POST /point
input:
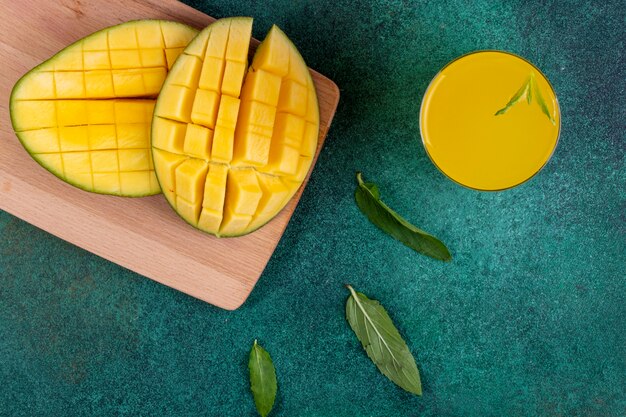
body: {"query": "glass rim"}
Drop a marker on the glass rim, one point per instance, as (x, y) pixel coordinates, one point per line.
(557, 108)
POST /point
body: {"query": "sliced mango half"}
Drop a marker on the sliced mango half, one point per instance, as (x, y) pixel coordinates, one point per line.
(232, 142)
(85, 114)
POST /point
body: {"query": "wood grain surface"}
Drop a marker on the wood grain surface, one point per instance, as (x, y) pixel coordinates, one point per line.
(142, 234)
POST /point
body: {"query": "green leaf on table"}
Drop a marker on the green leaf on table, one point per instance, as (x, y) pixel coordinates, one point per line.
(262, 379)
(382, 341)
(368, 200)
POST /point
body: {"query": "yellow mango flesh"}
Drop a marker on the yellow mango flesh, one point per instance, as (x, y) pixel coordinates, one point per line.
(85, 114)
(232, 143)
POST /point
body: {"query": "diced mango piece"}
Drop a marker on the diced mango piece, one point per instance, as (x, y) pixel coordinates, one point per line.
(312, 109)
(104, 161)
(303, 168)
(251, 148)
(73, 138)
(234, 223)
(168, 135)
(132, 136)
(33, 114)
(153, 79)
(125, 58)
(82, 180)
(275, 195)
(218, 39)
(102, 137)
(72, 112)
(42, 140)
(40, 85)
(69, 84)
(72, 60)
(228, 112)
(52, 161)
(212, 74)
(128, 83)
(100, 112)
(190, 178)
(288, 130)
(122, 37)
(243, 192)
(293, 98)
(224, 135)
(233, 78)
(108, 182)
(152, 58)
(134, 182)
(77, 162)
(186, 71)
(210, 221)
(261, 86)
(198, 141)
(150, 36)
(99, 84)
(205, 106)
(165, 167)
(275, 192)
(309, 140)
(134, 159)
(222, 147)
(189, 211)
(283, 160)
(197, 47)
(177, 103)
(256, 113)
(96, 60)
(239, 39)
(215, 188)
(272, 55)
(96, 42)
(298, 71)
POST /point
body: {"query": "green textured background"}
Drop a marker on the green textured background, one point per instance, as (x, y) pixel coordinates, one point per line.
(528, 320)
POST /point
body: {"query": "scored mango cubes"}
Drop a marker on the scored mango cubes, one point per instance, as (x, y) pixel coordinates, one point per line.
(232, 143)
(85, 113)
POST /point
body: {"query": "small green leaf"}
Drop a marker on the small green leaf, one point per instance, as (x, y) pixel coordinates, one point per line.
(262, 379)
(519, 94)
(540, 100)
(367, 198)
(382, 341)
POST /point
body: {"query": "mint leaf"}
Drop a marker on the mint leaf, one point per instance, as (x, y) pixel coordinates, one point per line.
(382, 341)
(262, 379)
(367, 198)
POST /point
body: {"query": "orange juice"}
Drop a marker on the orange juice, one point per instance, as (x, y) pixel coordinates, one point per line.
(490, 120)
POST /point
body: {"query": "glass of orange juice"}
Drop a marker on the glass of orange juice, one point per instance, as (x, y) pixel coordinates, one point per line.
(490, 120)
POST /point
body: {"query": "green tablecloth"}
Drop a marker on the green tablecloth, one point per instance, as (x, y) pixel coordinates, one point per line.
(528, 320)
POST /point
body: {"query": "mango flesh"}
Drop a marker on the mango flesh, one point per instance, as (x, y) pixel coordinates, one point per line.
(85, 114)
(232, 143)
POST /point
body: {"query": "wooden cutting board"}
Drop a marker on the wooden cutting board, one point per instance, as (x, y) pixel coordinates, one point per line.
(142, 234)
